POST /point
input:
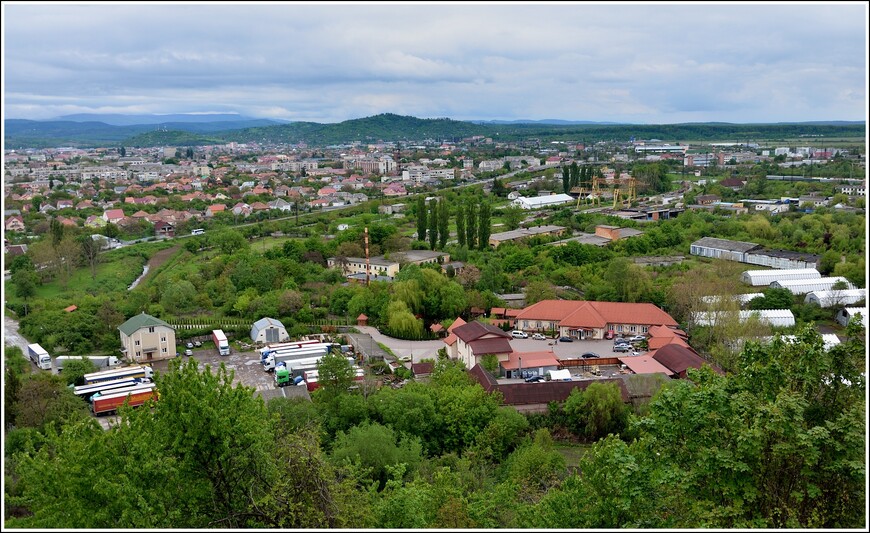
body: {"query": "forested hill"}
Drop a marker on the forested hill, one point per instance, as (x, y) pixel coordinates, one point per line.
(390, 127)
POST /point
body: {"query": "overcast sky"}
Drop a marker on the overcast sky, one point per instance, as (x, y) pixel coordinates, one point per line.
(638, 63)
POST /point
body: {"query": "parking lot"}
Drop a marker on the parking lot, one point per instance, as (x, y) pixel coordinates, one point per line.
(567, 350)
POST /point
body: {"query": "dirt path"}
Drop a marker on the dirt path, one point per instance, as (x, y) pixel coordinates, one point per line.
(158, 259)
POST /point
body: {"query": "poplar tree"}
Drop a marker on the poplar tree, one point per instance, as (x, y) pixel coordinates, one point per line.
(443, 223)
(421, 218)
(566, 179)
(460, 226)
(470, 224)
(433, 223)
(483, 228)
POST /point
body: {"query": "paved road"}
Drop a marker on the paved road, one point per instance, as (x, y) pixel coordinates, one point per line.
(11, 335)
(417, 350)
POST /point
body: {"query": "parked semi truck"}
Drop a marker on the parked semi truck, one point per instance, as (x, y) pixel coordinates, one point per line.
(220, 342)
(280, 345)
(320, 347)
(39, 356)
(103, 387)
(280, 356)
(109, 403)
(120, 373)
(100, 361)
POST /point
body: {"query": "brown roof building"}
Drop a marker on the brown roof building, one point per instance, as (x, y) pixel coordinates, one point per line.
(590, 320)
(475, 339)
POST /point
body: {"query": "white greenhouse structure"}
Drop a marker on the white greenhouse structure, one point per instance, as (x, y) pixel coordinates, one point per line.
(743, 299)
(804, 286)
(845, 315)
(778, 318)
(763, 278)
(836, 298)
(536, 202)
(829, 339)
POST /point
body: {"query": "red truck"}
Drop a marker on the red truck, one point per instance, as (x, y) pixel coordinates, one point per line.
(102, 404)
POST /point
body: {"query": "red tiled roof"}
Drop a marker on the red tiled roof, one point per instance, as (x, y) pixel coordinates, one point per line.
(654, 343)
(530, 359)
(456, 323)
(677, 358)
(422, 369)
(496, 311)
(435, 328)
(580, 313)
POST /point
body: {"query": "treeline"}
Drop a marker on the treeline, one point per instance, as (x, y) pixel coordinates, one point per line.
(777, 444)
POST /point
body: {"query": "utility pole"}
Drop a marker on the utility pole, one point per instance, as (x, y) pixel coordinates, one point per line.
(368, 269)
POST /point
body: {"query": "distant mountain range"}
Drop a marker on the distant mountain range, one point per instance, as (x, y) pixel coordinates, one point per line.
(192, 130)
(133, 120)
(546, 121)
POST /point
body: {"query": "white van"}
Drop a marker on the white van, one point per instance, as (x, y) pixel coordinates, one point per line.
(517, 334)
(198, 231)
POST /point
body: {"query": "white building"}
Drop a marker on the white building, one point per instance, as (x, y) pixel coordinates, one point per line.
(779, 318)
(742, 299)
(537, 202)
(804, 286)
(835, 298)
(763, 278)
(268, 330)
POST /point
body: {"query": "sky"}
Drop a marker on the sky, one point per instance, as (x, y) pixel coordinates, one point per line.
(640, 63)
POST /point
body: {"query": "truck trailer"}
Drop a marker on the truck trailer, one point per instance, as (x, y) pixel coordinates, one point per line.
(86, 391)
(292, 344)
(220, 342)
(100, 361)
(39, 356)
(109, 403)
(288, 356)
(320, 347)
(120, 373)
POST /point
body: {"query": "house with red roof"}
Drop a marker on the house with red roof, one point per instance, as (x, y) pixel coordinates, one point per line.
(113, 216)
(476, 340)
(450, 339)
(395, 189)
(211, 210)
(678, 359)
(523, 364)
(14, 223)
(581, 319)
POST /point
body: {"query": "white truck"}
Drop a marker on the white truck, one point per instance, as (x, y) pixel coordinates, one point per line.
(100, 361)
(129, 372)
(270, 359)
(220, 342)
(39, 356)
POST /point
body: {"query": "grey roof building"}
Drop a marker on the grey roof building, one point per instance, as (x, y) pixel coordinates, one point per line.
(268, 330)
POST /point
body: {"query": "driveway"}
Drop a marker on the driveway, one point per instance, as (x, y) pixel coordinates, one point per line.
(417, 350)
(11, 335)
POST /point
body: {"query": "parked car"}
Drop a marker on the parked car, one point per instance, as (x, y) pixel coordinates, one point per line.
(534, 379)
(517, 334)
(539, 337)
(565, 339)
(188, 352)
(623, 348)
(637, 338)
(609, 334)
(197, 343)
(590, 355)
(189, 345)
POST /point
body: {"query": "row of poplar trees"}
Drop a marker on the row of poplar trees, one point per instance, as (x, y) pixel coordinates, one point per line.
(576, 176)
(473, 223)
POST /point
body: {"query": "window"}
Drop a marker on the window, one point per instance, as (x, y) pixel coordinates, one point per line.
(138, 354)
(164, 350)
(151, 329)
(644, 329)
(136, 343)
(163, 338)
(619, 327)
(632, 329)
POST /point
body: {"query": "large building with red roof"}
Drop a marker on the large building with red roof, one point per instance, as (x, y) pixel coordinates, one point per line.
(581, 319)
(475, 340)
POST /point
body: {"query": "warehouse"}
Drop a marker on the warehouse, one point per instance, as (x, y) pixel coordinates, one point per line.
(805, 286)
(778, 318)
(836, 298)
(536, 202)
(763, 278)
(722, 248)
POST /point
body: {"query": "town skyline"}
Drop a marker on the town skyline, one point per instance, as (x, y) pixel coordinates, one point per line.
(625, 63)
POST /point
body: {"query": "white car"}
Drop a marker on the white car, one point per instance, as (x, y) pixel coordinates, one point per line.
(517, 334)
(539, 337)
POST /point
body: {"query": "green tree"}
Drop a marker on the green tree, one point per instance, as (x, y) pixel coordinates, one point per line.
(566, 179)
(470, 224)
(334, 374)
(443, 223)
(74, 370)
(461, 237)
(575, 174)
(421, 218)
(484, 226)
(179, 297)
(513, 216)
(376, 447)
(91, 252)
(433, 223)
(596, 411)
(25, 283)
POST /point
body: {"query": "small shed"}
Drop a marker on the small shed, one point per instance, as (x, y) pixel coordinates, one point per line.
(845, 315)
(268, 330)
(362, 320)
